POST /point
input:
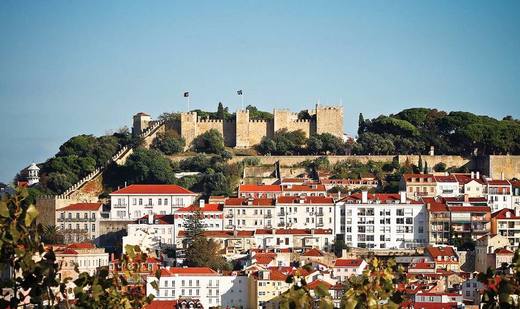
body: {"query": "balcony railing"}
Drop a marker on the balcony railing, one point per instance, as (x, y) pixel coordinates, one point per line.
(267, 216)
(229, 215)
(281, 214)
(319, 214)
(281, 224)
(119, 205)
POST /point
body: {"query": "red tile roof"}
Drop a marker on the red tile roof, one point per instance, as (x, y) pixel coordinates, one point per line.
(82, 245)
(305, 199)
(82, 207)
(161, 304)
(449, 178)
(154, 189)
(259, 188)
(197, 271)
(409, 177)
(239, 201)
(68, 251)
(314, 284)
(313, 252)
(498, 182)
(515, 183)
(348, 262)
(303, 231)
(469, 209)
(303, 188)
(504, 251)
(206, 208)
(422, 265)
(383, 197)
(436, 251)
(264, 258)
(503, 214)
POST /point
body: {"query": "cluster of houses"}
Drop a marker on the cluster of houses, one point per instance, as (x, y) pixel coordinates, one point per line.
(441, 227)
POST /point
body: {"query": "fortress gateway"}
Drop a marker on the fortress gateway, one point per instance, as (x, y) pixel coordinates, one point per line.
(243, 132)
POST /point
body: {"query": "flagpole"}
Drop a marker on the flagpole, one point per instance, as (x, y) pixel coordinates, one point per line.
(188, 102)
(242, 100)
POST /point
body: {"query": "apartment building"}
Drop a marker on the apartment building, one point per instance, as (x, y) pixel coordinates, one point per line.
(151, 232)
(210, 288)
(446, 186)
(212, 215)
(448, 218)
(498, 193)
(305, 212)
(231, 242)
(471, 184)
(286, 238)
(79, 222)
(344, 268)
(382, 221)
(311, 189)
(419, 185)
(136, 201)
(350, 184)
(259, 191)
(506, 222)
(491, 251)
(249, 213)
(445, 258)
(515, 199)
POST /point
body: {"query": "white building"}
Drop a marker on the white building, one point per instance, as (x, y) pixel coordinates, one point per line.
(135, 201)
(499, 194)
(212, 216)
(382, 221)
(249, 213)
(344, 268)
(212, 289)
(33, 174)
(305, 212)
(447, 186)
(286, 238)
(79, 221)
(471, 184)
(151, 232)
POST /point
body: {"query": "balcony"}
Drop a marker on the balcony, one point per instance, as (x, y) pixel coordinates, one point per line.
(229, 226)
(281, 214)
(61, 219)
(319, 214)
(319, 224)
(92, 219)
(120, 205)
(267, 216)
(281, 224)
(229, 215)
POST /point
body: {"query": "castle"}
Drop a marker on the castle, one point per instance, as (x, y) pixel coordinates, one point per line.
(243, 132)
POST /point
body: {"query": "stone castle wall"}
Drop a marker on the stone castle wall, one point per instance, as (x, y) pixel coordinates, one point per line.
(506, 167)
(244, 132)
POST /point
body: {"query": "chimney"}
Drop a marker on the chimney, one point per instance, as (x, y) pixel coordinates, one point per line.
(150, 218)
(364, 197)
(466, 198)
(478, 175)
(339, 195)
(201, 203)
(501, 175)
(472, 175)
(402, 197)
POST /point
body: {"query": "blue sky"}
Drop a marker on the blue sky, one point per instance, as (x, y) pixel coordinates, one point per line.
(73, 67)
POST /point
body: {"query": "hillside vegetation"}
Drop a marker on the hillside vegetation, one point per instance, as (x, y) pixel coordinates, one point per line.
(413, 131)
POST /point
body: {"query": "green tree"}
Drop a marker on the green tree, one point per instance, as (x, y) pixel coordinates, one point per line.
(299, 295)
(361, 124)
(33, 274)
(439, 167)
(220, 111)
(148, 166)
(210, 141)
(168, 143)
(375, 288)
(283, 142)
(200, 251)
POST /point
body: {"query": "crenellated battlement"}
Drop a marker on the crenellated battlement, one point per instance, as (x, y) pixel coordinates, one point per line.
(244, 132)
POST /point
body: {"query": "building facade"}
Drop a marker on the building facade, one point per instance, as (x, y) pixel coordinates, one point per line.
(136, 201)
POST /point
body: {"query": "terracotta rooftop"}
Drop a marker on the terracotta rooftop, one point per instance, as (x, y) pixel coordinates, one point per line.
(313, 252)
(206, 208)
(436, 251)
(82, 207)
(180, 271)
(153, 189)
(239, 201)
(304, 200)
(303, 188)
(505, 214)
(348, 262)
(260, 188)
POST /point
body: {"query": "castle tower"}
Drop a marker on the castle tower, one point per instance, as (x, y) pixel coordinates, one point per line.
(242, 128)
(329, 119)
(33, 176)
(281, 119)
(141, 123)
(189, 127)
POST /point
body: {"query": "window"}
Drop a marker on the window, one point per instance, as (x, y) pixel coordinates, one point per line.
(93, 227)
(140, 201)
(149, 202)
(134, 201)
(94, 215)
(159, 201)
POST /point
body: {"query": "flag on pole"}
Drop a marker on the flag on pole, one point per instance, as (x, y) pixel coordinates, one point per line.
(239, 92)
(186, 94)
